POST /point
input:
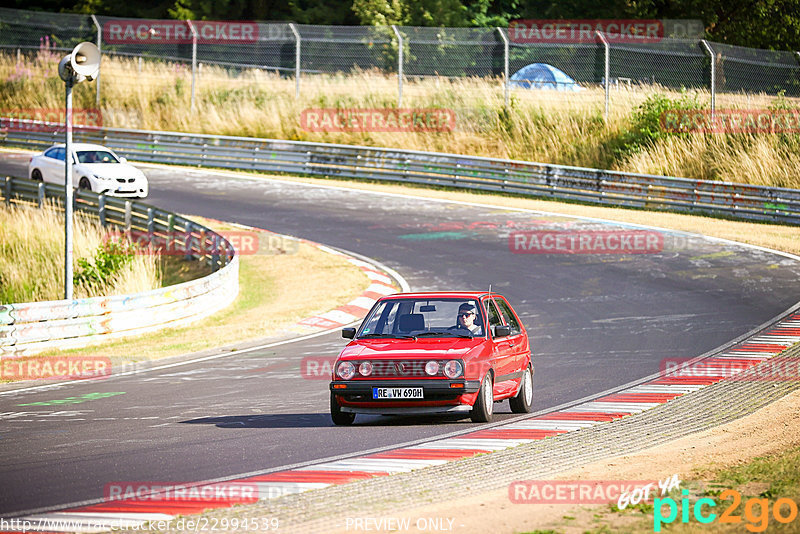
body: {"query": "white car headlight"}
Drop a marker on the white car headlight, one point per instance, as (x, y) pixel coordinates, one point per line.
(453, 369)
(346, 370)
(432, 368)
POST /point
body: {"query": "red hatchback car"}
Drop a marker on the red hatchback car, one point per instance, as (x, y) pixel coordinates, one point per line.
(434, 353)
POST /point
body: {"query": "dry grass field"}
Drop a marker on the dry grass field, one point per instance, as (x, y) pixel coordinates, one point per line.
(543, 126)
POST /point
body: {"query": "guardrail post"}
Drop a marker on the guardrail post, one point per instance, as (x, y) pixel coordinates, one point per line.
(399, 66)
(188, 242)
(40, 194)
(100, 49)
(710, 52)
(127, 215)
(296, 59)
(215, 254)
(505, 65)
(7, 190)
(606, 71)
(101, 209)
(194, 57)
(150, 220)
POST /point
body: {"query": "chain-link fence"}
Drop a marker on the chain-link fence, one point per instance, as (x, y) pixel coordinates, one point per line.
(605, 70)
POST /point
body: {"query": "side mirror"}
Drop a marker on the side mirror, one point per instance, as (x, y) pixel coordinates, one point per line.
(348, 333)
(123, 159)
(502, 330)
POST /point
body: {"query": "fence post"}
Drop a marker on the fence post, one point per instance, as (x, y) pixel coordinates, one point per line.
(710, 52)
(296, 59)
(40, 194)
(606, 71)
(100, 49)
(399, 66)
(194, 57)
(7, 190)
(504, 37)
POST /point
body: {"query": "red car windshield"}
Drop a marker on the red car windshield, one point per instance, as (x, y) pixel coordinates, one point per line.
(399, 318)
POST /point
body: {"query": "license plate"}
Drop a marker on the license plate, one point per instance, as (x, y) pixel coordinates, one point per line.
(397, 393)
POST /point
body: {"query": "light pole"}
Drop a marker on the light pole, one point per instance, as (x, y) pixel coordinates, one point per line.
(82, 64)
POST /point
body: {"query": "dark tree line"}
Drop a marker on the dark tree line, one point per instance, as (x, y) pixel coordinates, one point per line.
(771, 24)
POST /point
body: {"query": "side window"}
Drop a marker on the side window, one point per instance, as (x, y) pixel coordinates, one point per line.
(494, 316)
(51, 153)
(59, 154)
(511, 319)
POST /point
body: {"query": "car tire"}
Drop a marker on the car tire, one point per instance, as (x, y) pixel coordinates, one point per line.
(484, 404)
(338, 416)
(85, 184)
(36, 175)
(523, 401)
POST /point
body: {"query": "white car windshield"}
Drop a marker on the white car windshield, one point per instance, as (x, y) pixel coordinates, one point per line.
(424, 318)
(96, 156)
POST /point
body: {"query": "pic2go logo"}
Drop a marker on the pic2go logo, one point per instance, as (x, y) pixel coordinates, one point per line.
(756, 511)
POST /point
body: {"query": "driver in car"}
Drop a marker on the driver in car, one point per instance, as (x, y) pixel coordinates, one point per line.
(467, 314)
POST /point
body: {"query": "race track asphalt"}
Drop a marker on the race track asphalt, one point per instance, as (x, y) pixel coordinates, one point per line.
(596, 321)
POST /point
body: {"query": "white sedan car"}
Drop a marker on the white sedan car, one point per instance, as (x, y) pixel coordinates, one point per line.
(94, 167)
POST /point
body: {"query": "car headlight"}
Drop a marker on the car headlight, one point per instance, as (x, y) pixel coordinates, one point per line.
(365, 369)
(432, 368)
(345, 370)
(453, 369)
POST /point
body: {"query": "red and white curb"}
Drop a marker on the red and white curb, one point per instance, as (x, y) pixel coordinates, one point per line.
(380, 286)
(636, 399)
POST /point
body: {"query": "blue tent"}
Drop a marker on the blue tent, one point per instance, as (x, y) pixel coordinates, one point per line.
(543, 76)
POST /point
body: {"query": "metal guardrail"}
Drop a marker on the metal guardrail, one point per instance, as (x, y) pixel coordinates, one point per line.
(27, 328)
(430, 168)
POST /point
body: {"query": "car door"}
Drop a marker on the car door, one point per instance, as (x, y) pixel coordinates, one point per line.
(518, 337)
(53, 166)
(502, 353)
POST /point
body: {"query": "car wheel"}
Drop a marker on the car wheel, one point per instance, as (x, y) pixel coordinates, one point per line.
(36, 175)
(84, 183)
(339, 417)
(524, 399)
(482, 409)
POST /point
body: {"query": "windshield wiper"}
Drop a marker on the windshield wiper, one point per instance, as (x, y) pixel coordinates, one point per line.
(393, 336)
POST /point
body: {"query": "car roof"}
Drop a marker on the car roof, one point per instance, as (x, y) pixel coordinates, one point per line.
(82, 146)
(441, 294)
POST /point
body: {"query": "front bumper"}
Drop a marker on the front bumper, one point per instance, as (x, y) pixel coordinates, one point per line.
(434, 391)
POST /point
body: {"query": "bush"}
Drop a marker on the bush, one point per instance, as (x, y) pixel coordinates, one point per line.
(109, 259)
(645, 123)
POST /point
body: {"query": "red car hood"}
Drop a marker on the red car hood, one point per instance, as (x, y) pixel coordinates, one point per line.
(427, 349)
